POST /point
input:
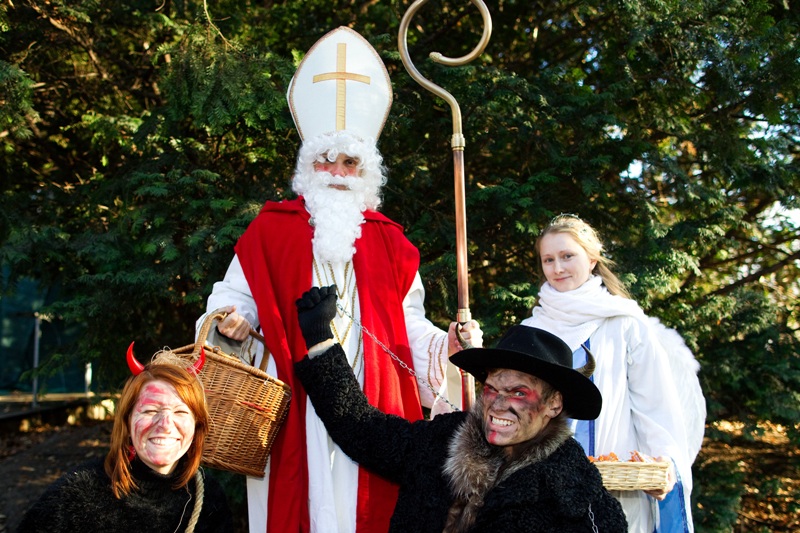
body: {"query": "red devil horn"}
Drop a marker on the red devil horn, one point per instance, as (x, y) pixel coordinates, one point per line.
(198, 365)
(135, 366)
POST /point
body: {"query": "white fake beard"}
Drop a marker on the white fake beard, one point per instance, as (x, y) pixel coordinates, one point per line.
(336, 214)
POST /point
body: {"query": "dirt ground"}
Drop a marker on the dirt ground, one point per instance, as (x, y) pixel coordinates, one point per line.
(31, 460)
(769, 468)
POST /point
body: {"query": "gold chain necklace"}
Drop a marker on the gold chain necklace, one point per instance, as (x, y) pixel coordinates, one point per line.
(343, 293)
(359, 350)
(332, 281)
(342, 312)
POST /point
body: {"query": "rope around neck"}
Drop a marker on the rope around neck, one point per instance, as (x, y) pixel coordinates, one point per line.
(198, 502)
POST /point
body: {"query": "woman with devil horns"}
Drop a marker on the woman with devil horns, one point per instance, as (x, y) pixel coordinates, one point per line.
(151, 479)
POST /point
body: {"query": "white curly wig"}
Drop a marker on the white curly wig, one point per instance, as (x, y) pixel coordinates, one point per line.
(329, 146)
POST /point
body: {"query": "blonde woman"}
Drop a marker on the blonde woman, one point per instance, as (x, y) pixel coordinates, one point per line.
(584, 303)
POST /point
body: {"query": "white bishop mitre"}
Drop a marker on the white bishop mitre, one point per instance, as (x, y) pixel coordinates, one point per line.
(341, 84)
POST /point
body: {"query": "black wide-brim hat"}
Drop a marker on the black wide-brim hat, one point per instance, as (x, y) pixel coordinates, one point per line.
(541, 354)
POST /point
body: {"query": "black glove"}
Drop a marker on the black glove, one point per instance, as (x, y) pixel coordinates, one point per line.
(315, 310)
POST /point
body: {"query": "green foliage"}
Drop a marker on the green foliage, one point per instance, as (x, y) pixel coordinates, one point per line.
(137, 142)
(722, 485)
(15, 93)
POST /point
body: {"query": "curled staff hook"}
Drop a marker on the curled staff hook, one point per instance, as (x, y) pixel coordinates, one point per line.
(457, 144)
(402, 42)
(457, 141)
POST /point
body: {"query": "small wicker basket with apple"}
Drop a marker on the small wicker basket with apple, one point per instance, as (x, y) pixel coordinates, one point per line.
(639, 473)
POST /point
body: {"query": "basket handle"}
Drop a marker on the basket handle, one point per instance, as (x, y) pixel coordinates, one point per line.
(265, 358)
(206, 328)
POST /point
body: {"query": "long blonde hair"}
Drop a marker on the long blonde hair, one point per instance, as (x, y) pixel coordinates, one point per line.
(587, 238)
(190, 390)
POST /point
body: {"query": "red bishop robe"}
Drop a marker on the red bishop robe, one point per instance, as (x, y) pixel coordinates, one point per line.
(276, 256)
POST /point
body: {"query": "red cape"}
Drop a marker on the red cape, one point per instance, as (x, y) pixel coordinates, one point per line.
(276, 255)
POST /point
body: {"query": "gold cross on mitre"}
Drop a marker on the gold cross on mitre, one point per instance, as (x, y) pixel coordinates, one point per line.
(360, 108)
(342, 77)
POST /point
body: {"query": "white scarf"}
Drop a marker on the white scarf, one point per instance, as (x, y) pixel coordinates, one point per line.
(574, 315)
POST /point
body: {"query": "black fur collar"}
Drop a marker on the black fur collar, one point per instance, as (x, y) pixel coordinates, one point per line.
(474, 466)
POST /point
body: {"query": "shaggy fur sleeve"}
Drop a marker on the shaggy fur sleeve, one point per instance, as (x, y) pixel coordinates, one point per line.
(377, 441)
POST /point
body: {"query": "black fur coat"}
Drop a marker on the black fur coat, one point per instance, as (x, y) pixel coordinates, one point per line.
(445, 466)
(82, 501)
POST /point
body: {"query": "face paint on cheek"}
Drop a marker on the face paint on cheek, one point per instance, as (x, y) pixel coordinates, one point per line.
(529, 396)
(491, 435)
(526, 408)
(522, 401)
(143, 425)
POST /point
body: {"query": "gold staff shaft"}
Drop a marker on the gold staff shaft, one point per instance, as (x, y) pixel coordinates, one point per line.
(463, 314)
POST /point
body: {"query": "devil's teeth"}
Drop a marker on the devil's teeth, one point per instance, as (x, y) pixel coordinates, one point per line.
(501, 422)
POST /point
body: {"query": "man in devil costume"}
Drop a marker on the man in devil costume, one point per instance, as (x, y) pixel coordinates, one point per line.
(510, 464)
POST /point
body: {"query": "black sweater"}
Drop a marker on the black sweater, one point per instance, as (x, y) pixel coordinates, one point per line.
(82, 501)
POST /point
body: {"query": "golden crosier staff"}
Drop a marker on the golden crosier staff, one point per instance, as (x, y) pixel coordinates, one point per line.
(457, 144)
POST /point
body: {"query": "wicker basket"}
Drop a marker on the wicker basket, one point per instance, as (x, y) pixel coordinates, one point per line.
(247, 407)
(631, 475)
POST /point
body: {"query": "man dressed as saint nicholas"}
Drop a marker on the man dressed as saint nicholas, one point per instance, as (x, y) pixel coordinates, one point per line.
(332, 233)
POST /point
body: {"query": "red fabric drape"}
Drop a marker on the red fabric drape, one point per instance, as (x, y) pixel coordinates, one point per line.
(276, 256)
